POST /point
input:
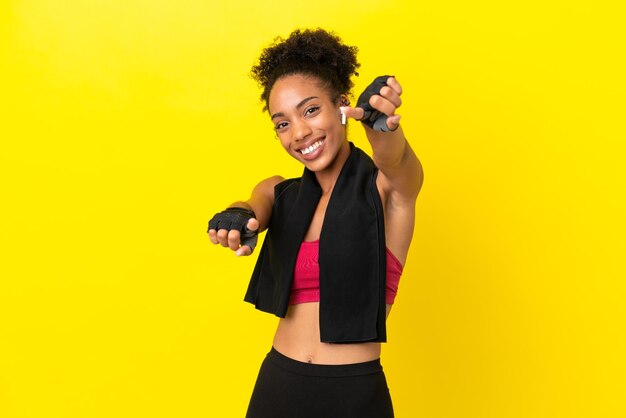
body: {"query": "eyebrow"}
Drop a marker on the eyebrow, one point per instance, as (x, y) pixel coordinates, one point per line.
(298, 106)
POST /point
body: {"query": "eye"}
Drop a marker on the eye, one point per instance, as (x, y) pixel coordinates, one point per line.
(311, 110)
(280, 126)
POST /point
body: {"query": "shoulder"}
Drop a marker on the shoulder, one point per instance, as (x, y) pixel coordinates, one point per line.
(272, 181)
(266, 186)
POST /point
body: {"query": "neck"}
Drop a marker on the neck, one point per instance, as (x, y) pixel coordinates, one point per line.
(328, 177)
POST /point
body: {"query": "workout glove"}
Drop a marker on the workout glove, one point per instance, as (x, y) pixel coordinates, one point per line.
(236, 219)
(372, 117)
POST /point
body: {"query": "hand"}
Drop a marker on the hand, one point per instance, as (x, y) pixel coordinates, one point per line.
(235, 230)
(377, 105)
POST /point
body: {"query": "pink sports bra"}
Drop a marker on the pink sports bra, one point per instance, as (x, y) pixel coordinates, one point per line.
(306, 278)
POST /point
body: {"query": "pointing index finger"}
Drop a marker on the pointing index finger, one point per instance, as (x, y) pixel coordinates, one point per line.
(353, 112)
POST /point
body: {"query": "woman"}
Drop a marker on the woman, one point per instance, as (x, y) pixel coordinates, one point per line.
(337, 237)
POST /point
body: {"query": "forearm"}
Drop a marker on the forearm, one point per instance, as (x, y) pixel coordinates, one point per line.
(395, 158)
(261, 201)
(388, 148)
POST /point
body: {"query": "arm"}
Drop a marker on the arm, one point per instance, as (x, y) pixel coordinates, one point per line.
(402, 171)
(260, 202)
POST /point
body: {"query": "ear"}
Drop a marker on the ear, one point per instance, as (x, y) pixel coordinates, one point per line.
(344, 100)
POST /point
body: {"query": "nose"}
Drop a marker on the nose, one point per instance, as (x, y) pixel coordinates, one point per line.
(301, 130)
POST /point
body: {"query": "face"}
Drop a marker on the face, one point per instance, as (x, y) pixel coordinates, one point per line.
(307, 121)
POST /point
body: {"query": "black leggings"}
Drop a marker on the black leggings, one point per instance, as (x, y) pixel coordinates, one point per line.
(293, 389)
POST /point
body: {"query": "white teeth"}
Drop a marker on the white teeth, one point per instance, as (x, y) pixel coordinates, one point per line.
(312, 148)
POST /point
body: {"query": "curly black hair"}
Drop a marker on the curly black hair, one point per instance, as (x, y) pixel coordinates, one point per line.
(315, 53)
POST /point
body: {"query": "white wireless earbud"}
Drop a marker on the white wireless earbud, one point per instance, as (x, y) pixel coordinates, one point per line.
(343, 116)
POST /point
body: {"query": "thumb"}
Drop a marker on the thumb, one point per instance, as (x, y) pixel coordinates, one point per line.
(393, 122)
(253, 224)
(353, 112)
(250, 238)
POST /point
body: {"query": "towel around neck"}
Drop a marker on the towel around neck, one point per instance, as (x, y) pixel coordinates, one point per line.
(351, 252)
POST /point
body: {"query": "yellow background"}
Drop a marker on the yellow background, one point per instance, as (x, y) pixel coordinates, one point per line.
(126, 124)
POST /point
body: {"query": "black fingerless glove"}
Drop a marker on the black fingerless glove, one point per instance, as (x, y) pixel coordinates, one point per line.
(372, 117)
(237, 219)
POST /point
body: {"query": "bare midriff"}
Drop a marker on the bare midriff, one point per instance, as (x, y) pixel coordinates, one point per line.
(298, 337)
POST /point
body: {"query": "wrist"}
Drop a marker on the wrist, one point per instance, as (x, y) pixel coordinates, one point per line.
(242, 205)
(245, 208)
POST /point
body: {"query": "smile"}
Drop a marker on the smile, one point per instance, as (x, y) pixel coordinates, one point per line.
(311, 148)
